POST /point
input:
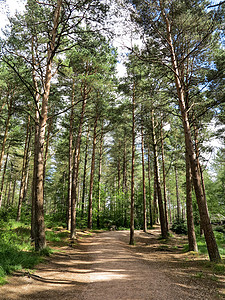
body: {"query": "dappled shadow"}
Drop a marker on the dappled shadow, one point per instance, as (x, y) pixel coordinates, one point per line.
(105, 267)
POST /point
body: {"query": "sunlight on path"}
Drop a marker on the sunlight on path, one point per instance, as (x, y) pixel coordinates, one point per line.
(105, 267)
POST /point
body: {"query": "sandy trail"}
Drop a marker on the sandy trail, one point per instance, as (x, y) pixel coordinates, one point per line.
(105, 267)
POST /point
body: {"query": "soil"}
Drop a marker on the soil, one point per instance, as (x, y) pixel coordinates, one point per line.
(103, 266)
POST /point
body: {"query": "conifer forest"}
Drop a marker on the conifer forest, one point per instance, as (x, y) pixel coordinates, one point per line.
(112, 117)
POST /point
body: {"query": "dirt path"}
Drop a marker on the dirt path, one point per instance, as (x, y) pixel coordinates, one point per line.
(105, 267)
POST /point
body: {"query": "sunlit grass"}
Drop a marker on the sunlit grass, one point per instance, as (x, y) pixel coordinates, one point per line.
(202, 248)
(16, 251)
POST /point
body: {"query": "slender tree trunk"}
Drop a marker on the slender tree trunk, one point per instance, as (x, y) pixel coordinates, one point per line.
(99, 176)
(9, 190)
(6, 191)
(6, 128)
(90, 207)
(85, 172)
(47, 147)
(149, 187)
(170, 209)
(190, 218)
(119, 167)
(24, 170)
(160, 200)
(13, 193)
(36, 133)
(196, 177)
(125, 187)
(164, 179)
(155, 196)
(70, 167)
(143, 181)
(3, 178)
(132, 170)
(177, 194)
(27, 178)
(76, 167)
(34, 183)
(200, 169)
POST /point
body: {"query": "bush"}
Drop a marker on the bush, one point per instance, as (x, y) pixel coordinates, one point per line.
(179, 227)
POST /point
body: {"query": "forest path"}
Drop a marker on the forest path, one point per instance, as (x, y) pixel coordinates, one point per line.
(105, 267)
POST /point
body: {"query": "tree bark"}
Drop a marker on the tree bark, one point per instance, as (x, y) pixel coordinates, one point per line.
(40, 241)
(100, 175)
(158, 184)
(143, 181)
(155, 197)
(196, 177)
(76, 160)
(47, 147)
(192, 244)
(132, 170)
(84, 173)
(90, 206)
(125, 187)
(13, 193)
(6, 126)
(24, 170)
(149, 187)
(177, 195)
(3, 178)
(164, 178)
(70, 165)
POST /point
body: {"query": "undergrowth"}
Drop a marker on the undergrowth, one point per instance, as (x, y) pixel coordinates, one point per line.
(16, 251)
(202, 248)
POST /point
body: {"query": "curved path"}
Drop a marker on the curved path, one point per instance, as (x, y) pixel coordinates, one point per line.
(105, 267)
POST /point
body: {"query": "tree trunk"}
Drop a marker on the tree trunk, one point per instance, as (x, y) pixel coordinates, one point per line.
(99, 176)
(70, 167)
(13, 193)
(40, 241)
(47, 147)
(164, 178)
(34, 183)
(177, 195)
(6, 128)
(160, 200)
(132, 170)
(85, 172)
(24, 170)
(36, 133)
(155, 196)
(190, 218)
(149, 187)
(125, 187)
(143, 181)
(3, 178)
(76, 167)
(90, 206)
(9, 191)
(196, 177)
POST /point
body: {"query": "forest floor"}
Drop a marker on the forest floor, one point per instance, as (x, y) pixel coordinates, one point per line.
(103, 266)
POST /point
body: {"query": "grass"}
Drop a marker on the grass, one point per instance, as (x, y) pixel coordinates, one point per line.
(202, 248)
(16, 250)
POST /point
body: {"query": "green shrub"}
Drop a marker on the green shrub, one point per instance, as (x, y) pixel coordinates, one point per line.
(179, 226)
